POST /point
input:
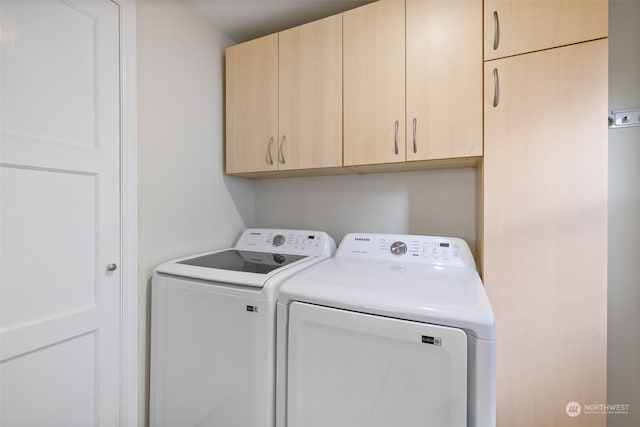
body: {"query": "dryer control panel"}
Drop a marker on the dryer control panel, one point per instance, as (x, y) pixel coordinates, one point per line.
(297, 242)
(445, 251)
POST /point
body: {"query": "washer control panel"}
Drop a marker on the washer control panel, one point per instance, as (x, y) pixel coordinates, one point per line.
(299, 242)
(449, 251)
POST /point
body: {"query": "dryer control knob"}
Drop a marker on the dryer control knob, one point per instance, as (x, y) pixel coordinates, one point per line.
(398, 248)
(278, 240)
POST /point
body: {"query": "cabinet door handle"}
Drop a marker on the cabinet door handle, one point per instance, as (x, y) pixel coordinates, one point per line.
(269, 158)
(284, 138)
(395, 137)
(496, 88)
(415, 126)
(496, 33)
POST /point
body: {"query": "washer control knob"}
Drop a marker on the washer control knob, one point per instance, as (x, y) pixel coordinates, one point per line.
(398, 248)
(278, 240)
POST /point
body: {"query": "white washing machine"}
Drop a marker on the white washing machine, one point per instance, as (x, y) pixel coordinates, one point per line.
(395, 330)
(213, 329)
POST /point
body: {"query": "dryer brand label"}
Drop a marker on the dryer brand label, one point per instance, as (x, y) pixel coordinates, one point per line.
(252, 308)
(431, 340)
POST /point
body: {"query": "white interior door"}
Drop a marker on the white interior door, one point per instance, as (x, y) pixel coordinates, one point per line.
(60, 210)
(359, 370)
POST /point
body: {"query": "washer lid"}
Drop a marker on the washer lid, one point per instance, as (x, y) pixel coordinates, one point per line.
(259, 255)
(245, 268)
(440, 295)
(245, 261)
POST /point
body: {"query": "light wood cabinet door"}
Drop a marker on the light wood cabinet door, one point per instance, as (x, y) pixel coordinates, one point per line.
(545, 231)
(310, 100)
(374, 83)
(512, 27)
(444, 79)
(252, 106)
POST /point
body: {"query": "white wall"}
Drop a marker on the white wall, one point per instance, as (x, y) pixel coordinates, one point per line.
(186, 205)
(439, 202)
(624, 216)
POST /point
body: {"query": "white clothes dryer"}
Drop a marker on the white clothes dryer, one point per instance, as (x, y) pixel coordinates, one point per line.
(213, 329)
(395, 330)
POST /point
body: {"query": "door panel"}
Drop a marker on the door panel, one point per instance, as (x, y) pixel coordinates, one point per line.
(64, 375)
(60, 213)
(354, 369)
(64, 68)
(57, 274)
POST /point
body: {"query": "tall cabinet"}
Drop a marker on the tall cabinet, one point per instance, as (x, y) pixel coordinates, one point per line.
(545, 227)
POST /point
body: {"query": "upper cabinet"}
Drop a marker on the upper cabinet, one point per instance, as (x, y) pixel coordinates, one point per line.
(310, 102)
(392, 85)
(374, 83)
(284, 100)
(520, 26)
(444, 79)
(252, 106)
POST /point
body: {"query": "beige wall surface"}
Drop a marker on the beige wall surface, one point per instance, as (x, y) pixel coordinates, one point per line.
(186, 204)
(624, 216)
(438, 202)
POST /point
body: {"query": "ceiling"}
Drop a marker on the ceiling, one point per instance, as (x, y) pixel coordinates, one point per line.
(244, 20)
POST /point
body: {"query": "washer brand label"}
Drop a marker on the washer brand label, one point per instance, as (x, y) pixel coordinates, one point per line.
(252, 308)
(431, 340)
(361, 239)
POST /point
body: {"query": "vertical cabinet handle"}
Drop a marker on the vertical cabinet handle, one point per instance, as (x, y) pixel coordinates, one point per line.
(284, 138)
(395, 137)
(496, 33)
(269, 158)
(415, 126)
(496, 88)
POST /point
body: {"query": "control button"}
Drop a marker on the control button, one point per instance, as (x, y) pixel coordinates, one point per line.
(398, 248)
(278, 240)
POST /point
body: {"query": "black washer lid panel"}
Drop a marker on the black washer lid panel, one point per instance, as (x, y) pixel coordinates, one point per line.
(245, 261)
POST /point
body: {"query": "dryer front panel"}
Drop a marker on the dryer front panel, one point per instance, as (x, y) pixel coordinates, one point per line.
(360, 370)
